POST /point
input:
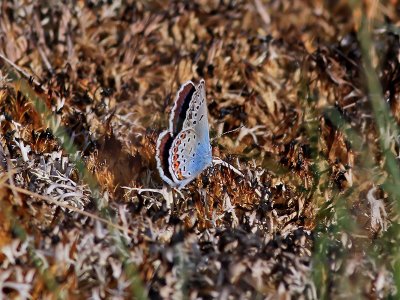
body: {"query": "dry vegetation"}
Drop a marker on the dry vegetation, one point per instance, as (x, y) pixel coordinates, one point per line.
(85, 89)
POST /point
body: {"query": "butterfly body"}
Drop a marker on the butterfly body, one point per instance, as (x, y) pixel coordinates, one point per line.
(184, 150)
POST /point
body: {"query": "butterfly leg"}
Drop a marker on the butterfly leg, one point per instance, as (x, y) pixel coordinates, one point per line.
(218, 161)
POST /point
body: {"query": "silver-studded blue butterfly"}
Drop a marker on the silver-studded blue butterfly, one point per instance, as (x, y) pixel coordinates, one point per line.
(184, 150)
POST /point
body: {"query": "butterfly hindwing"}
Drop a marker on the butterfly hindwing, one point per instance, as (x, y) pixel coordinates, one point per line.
(188, 157)
(164, 143)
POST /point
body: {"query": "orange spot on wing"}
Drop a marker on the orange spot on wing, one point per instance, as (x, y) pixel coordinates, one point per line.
(176, 169)
(179, 175)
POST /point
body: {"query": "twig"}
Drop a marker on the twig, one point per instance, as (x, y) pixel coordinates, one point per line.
(9, 176)
(19, 69)
(45, 59)
(74, 209)
(166, 192)
(262, 12)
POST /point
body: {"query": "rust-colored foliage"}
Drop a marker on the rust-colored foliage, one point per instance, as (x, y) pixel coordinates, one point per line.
(283, 78)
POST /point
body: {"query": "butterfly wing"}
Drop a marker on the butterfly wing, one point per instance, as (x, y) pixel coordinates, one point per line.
(190, 110)
(188, 157)
(181, 105)
(197, 115)
(184, 151)
(164, 143)
(197, 119)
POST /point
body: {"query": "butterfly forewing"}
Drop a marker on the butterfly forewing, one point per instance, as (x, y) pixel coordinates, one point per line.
(196, 116)
(203, 114)
(181, 106)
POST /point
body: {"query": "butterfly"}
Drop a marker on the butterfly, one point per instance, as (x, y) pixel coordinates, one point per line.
(184, 151)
